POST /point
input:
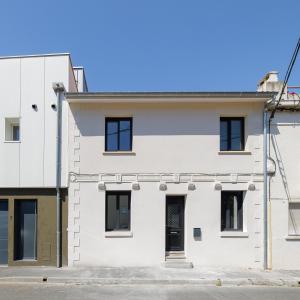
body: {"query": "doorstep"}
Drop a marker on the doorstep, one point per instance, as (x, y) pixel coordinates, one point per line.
(177, 259)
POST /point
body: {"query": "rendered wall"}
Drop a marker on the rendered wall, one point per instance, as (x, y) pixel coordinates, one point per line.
(284, 188)
(178, 139)
(25, 81)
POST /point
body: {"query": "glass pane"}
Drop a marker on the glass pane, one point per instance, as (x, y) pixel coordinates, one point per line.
(112, 136)
(236, 137)
(111, 213)
(26, 229)
(16, 133)
(232, 211)
(223, 136)
(125, 135)
(124, 211)
(294, 218)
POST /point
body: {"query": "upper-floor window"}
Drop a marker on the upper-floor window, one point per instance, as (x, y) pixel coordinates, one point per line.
(12, 129)
(118, 134)
(231, 211)
(232, 134)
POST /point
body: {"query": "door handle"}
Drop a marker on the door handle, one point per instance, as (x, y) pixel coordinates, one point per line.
(173, 231)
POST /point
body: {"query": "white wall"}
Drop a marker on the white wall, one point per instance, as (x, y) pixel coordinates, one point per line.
(25, 81)
(80, 79)
(184, 138)
(284, 188)
(174, 139)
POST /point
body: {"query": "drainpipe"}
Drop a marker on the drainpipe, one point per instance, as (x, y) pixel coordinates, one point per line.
(59, 90)
(265, 189)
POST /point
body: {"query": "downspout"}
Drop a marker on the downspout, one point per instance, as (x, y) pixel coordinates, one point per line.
(265, 188)
(59, 90)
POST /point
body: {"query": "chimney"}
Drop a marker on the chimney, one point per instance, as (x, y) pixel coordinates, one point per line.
(269, 83)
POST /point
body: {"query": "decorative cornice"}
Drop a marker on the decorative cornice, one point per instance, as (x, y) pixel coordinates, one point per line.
(167, 177)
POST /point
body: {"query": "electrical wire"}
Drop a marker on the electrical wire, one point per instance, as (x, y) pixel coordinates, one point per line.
(286, 78)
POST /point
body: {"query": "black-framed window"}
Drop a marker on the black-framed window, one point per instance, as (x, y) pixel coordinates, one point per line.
(118, 134)
(232, 210)
(232, 136)
(117, 210)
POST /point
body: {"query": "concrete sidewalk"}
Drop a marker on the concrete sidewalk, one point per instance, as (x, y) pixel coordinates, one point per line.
(145, 275)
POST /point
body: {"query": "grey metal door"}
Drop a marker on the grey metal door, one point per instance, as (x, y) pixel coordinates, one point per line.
(25, 229)
(3, 232)
(175, 223)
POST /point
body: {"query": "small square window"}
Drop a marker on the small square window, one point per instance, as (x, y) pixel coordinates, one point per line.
(232, 211)
(117, 211)
(118, 134)
(294, 218)
(12, 129)
(232, 134)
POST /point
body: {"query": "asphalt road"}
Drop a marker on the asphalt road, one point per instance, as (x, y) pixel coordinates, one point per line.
(117, 292)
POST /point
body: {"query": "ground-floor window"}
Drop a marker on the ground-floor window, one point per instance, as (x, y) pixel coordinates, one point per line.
(232, 211)
(117, 210)
(294, 218)
(25, 229)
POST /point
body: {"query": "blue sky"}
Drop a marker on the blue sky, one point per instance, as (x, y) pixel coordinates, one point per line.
(159, 45)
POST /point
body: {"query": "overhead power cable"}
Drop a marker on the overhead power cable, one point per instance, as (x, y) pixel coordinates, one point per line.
(286, 78)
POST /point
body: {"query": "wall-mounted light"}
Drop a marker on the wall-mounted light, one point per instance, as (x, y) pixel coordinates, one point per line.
(53, 106)
(34, 107)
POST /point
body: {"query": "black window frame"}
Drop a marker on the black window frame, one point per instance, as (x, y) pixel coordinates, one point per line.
(118, 120)
(242, 133)
(240, 217)
(118, 194)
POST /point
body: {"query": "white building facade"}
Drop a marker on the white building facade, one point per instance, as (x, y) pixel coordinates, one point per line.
(147, 179)
(283, 180)
(162, 177)
(28, 140)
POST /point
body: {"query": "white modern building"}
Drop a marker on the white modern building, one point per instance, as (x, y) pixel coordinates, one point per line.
(28, 143)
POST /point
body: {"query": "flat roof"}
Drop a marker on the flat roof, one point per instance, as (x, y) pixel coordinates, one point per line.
(34, 55)
(152, 97)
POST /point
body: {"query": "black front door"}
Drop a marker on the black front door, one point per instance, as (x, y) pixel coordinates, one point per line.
(175, 223)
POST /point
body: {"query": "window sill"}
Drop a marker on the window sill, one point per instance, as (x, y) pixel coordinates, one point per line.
(12, 142)
(293, 238)
(118, 234)
(234, 234)
(234, 152)
(119, 153)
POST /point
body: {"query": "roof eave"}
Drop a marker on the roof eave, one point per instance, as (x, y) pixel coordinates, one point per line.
(160, 97)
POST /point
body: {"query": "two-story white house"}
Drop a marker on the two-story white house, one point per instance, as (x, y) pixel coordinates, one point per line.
(283, 181)
(166, 178)
(28, 160)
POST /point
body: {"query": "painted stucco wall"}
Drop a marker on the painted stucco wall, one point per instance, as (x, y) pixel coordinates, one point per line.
(183, 141)
(25, 81)
(80, 79)
(284, 188)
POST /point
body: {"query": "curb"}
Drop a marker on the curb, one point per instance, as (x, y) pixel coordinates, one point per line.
(137, 281)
